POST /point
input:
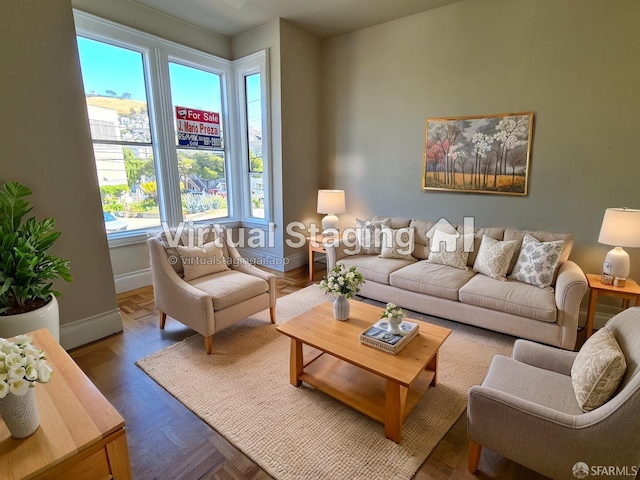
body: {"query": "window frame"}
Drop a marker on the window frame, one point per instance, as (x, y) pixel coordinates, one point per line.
(157, 53)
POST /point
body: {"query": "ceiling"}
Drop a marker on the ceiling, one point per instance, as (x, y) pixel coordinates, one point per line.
(320, 18)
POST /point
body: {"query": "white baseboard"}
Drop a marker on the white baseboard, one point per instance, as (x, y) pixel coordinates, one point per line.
(132, 280)
(274, 262)
(90, 329)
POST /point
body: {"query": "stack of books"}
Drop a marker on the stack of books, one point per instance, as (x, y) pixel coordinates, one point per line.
(378, 336)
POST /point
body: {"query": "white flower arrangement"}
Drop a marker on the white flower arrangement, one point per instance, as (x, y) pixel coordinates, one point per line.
(21, 366)
(342, 281)
(393, 311)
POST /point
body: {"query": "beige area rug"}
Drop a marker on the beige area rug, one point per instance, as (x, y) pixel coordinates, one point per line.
(243, 392)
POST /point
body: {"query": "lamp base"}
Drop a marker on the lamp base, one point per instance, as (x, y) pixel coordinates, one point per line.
(330, 223)
(617, 263)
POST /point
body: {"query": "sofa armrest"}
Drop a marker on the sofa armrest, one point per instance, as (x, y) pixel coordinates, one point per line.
(177, 298)
(341, 248)
(544, 356)
(571, 286)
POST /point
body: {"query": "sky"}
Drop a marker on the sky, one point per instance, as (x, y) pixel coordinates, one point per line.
(107, 67)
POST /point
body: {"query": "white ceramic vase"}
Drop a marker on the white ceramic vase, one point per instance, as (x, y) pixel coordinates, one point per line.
(44, 317)
(394, 325)
(341, 308)
(20, 414)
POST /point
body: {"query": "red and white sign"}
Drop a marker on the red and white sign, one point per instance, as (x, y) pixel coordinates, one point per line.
(198, 128)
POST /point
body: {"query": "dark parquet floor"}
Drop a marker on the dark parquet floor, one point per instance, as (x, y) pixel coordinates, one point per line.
(168, 442)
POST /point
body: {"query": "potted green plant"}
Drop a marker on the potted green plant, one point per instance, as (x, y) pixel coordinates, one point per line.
(27, 270)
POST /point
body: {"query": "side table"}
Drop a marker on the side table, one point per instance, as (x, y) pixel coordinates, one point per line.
(317, 244)
(630, 291)
(80, 437)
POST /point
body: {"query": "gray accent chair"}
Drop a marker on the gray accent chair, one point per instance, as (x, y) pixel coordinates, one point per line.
(526, 409)
(213, 302)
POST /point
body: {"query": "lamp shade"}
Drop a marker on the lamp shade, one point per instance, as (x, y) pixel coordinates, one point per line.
(331, 201)
(620, 227)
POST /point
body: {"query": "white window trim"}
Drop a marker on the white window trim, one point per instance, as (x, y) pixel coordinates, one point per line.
(157, 53)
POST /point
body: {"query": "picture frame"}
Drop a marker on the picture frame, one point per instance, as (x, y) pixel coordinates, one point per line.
(479, 154)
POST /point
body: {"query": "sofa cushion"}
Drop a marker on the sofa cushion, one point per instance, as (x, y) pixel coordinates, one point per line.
(597, 370)
(493, 257)
(512, 234)
(373, 268)
(395, 222)
(192, 237)
(200, 261)
(537, 262)
(431, 279)
(230, 287)
(448, 249)
(421, 247)
(369, 235)
(496, 233)
(515, 378)
(397, 243)
(511, 296)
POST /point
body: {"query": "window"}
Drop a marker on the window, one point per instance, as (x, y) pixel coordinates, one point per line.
(254, 146)
(174, 139)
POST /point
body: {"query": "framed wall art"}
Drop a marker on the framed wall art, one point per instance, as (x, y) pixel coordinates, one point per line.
(481, 154)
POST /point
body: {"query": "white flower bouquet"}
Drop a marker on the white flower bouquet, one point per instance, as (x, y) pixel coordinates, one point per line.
(393, 311)
(21, 366)
(342, 280)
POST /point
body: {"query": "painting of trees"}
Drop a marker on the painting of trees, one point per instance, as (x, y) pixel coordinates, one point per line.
(483, 154)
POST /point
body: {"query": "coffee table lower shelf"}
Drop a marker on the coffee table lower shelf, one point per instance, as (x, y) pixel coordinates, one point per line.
(384, 400)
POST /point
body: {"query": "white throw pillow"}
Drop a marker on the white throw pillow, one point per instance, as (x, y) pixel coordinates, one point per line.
(368, 236)
(448, 249)
(494, 257)
(597, 370)
(537, 262)
(201, 261)
(397, 243)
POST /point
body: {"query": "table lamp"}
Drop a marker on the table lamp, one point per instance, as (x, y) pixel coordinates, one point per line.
(620, 228)
(330, 202)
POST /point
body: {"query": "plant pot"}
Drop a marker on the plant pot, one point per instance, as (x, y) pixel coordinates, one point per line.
(44, 317)
(20, 414)
(341, 308)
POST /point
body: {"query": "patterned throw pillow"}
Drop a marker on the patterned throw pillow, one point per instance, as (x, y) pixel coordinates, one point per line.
(448, 249)
(494, 257)
(368, 236)
(397, 243)
(597, 370)
(537, 262)
(201, 261)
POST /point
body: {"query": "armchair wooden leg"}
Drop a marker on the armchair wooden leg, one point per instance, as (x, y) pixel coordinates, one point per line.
(475, 450)
(208, 344)
(272, 312)
(163, 320)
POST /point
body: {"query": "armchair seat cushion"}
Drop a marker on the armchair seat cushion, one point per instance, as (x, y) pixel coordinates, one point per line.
(431, 279)
(553, 390)
(230, 287)
(374, 268)
(511, 296)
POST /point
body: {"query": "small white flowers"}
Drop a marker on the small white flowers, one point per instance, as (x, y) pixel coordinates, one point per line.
(342, 281)
(21, 366)
(392, 311)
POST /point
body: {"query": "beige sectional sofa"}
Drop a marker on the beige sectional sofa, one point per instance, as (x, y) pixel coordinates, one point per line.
(513, 307)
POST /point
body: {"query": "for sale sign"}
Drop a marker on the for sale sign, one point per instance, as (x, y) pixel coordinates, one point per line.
(198, 128)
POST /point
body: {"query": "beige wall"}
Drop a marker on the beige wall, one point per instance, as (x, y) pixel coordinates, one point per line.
(45, 144)
(301, 55)
(574, 63)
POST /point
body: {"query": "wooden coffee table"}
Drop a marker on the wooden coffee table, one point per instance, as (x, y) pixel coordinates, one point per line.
(384, 387)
